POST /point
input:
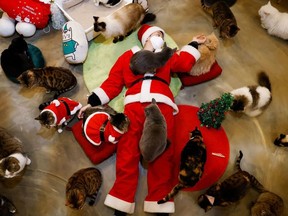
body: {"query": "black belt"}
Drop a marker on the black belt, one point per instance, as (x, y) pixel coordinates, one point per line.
(102, 130)
(149, 78)
(66, 106)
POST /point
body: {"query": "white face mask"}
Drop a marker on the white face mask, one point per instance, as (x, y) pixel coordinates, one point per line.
(157, 42)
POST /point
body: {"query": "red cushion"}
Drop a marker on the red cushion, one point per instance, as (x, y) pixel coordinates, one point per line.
(189, 80)
(96, 154)
(215, 140)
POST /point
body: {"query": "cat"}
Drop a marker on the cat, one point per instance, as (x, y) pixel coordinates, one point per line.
(252, 100)
(56, 79)
(85, 183)
(209, 3)
(15, 59)
(103, 123)
(13, 159)
(193, 159)
(122, 22)
(208, 55)
(274, 21)
(107, 3)
(145, 61)
(231, 190)
(7, 208)
(268, 204)
(223, 18)
(58, 113)
(153, 140)
(281, 141)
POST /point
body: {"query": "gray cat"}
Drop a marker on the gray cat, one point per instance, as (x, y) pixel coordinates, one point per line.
(153, 141)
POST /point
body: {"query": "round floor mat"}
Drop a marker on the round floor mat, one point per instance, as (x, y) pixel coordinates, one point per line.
(102, 54)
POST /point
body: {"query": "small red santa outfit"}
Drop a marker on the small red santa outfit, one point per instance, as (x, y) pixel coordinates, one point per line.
(62, 109)
(97, 129)
(140, 91)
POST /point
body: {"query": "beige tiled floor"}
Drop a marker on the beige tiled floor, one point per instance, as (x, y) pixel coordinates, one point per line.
(56, 156)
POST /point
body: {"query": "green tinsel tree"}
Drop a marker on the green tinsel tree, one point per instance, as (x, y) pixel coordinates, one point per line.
(212, 114)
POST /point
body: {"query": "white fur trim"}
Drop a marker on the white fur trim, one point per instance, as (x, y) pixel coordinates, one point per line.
(76, 109)
(102, 95)
(153, 206)
(192, 50)
(150, 31)
(135, 49)
(56, 102)
(119, 204)
(116, 129)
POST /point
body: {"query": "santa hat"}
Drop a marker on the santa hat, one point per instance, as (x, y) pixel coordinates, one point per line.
(145, 31)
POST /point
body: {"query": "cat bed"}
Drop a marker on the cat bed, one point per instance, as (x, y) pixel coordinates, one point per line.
(36, 56)
(189, 80)
(216, 141)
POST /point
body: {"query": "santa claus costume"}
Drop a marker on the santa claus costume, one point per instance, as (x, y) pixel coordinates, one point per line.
(140, 91)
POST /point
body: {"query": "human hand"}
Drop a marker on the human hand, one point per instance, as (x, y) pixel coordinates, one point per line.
(200, 39)
(82, 110)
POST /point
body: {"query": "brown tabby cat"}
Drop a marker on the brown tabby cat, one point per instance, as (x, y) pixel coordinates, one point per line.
(85, 183)
(231, 190)
(122, 22)
(12, 157)
(145, 61)
(56, 79)
(223, 18)
(193, 159)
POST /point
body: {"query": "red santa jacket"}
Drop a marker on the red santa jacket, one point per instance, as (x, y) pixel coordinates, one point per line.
(59, 108)
(139, 90)
(92, 128)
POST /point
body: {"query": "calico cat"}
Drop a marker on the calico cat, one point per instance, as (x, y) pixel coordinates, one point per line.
(281, 141)
(107, 3)
(7, 208)
(208, 55)
(274, 21)
(231, 190)
(122, 22)
(15, 59)
(12, 157)
(58, 113)
(268, 204)
(223, 18)
(103, 123)
(145, 61)
(153, 141)
(193, 159)
(252, 100)
(85, 183)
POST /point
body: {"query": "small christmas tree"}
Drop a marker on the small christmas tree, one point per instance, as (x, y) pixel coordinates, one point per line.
(213, 113)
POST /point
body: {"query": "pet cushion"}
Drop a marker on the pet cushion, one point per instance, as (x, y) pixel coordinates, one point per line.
(36, 56)
(75, 44)
(189, 80)
(70, 3)
(104, 53)
(96, 154)
(216, 141)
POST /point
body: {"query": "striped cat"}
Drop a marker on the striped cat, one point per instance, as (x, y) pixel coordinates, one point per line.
(85, 183)
(231, 190)
(193, 159)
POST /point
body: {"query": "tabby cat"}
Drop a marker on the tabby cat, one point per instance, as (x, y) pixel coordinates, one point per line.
(85, 183)
(7, 208)
(122, 22)
(153, 141)
(231, 190)
(193, 159)
(268, 204)
(209, 3)
(223, 18)
(56, 79)
(12, 157)
(145, 61)
(252, 100)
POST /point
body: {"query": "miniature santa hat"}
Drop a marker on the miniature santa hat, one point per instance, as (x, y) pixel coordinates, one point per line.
(146, 30)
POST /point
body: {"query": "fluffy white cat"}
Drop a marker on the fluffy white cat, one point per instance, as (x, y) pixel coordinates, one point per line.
(274, 21)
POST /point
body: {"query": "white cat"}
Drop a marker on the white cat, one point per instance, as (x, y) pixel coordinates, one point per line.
(274, 21)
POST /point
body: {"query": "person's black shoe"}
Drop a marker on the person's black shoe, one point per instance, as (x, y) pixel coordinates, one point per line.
(162, 214)
(119, 213)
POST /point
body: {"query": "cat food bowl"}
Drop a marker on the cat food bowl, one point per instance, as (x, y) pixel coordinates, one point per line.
(83, 12)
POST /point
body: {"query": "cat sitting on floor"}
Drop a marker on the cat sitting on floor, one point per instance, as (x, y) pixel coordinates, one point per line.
(13, 159)
(252, 100)
(274, 21)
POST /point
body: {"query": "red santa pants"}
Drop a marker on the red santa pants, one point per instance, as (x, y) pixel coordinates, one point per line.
(159, 175)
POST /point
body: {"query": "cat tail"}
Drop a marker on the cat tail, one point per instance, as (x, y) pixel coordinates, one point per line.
(239, 160)
(58, 93)
(264, 80)
(170, 195)
(149, 17)
(43, 105)
(256, 184)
